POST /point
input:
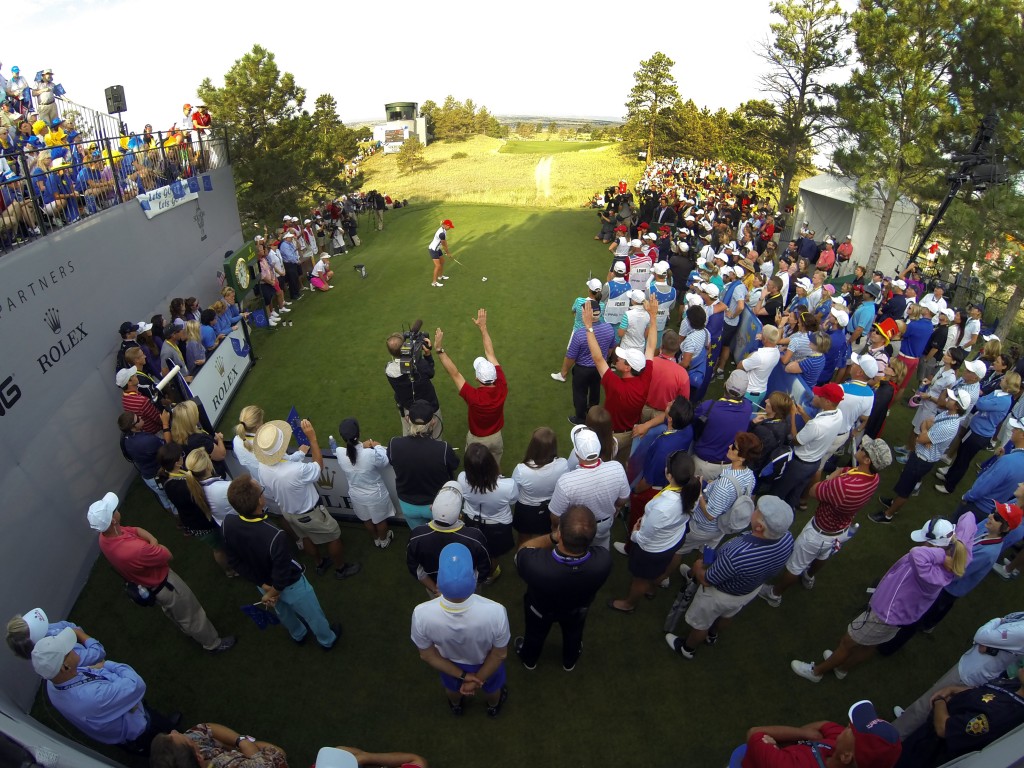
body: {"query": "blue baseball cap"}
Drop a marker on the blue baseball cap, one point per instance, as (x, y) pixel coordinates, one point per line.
(455, 577)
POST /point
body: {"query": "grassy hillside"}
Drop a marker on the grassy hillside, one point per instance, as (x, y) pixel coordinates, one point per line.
(497, 172)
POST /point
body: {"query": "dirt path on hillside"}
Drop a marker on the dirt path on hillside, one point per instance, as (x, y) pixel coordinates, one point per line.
(542, 176)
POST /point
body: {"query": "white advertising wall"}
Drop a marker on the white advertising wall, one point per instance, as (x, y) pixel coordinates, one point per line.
(62, 300)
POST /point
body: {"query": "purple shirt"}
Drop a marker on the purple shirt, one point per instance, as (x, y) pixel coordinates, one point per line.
(579, 350)
(909, 588)
(726, 418)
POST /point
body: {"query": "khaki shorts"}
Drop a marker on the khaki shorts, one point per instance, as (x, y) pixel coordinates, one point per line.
(315, 525)
(869, 629)
(710, 604)
(494, 443)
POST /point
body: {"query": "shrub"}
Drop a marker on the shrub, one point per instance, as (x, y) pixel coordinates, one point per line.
(459, 155)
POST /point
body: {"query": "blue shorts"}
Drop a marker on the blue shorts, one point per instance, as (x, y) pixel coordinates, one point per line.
(491, 685)
(435, 254)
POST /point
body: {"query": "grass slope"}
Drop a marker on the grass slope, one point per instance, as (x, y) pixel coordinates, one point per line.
(629, 701)
(497, 172)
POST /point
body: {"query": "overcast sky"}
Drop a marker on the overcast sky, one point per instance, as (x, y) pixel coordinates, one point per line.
(557, 59)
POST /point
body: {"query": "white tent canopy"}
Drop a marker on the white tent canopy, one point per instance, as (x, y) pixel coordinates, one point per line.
(828, 204)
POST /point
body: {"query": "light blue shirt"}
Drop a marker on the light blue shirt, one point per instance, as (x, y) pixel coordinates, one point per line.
(90, 653)
(989, 412)
(289, 253)
(105, 704)
(863, 317)
(997, 482)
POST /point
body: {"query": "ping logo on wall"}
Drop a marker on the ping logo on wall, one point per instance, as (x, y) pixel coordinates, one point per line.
(10, 393)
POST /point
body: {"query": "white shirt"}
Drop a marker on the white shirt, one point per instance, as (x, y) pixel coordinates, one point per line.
(249, 461)
(759, 365)
(971, 327)
(663, 523)
(291, 485)
(463, 633)
(364, 481)
(817, 436)
(853, 407)
(637, 319)
(492, 507)
(537, 484)
(784, 277)
(216, 492)
(596, 487)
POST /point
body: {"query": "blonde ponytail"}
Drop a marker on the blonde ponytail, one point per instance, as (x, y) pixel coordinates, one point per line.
(198, 467)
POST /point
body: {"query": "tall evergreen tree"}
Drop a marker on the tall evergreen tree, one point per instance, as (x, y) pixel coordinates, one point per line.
(651, 101)
(808, 41)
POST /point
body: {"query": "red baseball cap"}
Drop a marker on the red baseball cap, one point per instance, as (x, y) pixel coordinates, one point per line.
(876, 742)
(643, 225)
(831, 392)
(621, 228)
(448, 223)
(1011, 514)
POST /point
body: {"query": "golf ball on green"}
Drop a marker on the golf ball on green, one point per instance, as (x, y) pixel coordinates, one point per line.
(483, 279)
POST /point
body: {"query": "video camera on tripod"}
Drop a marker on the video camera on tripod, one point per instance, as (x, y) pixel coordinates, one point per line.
(413, 341)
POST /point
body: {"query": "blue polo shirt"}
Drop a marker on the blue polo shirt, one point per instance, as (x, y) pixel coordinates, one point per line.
(579, 350)
(208, 336)
(997, 482)
(984, 555)
(726, 417)
(916, 337)
(989, 413)
(863, 317)
(744, 563)
(657, 454)
(104, 704)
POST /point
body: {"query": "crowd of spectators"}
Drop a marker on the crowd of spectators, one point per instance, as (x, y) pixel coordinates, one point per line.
(54, 170)
(710, 485)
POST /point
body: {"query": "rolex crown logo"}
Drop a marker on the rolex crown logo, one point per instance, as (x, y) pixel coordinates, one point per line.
(52, 318)
(220, 366)
(326, 479)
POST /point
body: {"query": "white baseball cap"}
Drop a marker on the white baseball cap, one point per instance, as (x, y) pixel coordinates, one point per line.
(634, 357)
(976, 367)
(841, 315)
(585, 443)
(805, 283)
(867, 363)
(961, 397)
(102, 512)
(660, 268)
(636, 296)
(634, 243)
(485, 371)
(618, 269)
(710, 289)
(594, 284)
(48, 654)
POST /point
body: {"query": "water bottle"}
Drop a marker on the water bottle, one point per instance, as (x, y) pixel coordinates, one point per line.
(143, 592)
(333, 443)
(852, 531)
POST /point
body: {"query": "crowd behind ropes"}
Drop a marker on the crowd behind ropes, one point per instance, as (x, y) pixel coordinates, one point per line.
(707, 486)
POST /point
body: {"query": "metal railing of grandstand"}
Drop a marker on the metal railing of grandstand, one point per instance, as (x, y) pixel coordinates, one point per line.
(89, 173)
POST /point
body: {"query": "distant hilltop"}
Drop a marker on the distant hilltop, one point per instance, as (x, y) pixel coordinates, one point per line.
(562, 122)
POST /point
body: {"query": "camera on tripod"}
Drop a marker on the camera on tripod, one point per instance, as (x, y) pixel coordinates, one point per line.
(411, 353)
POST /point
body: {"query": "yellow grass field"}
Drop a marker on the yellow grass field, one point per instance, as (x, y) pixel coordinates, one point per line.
(565, 179)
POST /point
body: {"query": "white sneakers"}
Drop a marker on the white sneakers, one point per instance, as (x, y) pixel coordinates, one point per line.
(437, 285)
(558, 376)
(385, 542)
(806, 670)
(620, 547)
(767, 594)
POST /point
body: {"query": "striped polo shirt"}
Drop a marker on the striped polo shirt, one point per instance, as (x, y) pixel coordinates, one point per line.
(941, 434)
(744, 563)
(840, 498)
(597, 488)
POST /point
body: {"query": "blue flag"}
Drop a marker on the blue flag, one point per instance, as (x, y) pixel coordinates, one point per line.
(177, 189)
(240, 347)
(207, 183)
(145, 204)
(193, 184)
(296, 421)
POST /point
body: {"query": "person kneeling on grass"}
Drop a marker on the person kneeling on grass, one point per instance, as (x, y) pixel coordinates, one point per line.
(322, 274)
(902, 596)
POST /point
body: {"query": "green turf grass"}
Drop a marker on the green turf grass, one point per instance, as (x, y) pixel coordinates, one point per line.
(548, 147)
(629, 701)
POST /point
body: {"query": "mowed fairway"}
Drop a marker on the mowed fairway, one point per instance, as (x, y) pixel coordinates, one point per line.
(499, 172)
(630, 701)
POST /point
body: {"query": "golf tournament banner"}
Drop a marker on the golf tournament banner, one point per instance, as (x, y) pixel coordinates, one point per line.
(163, 199)
(225, 367)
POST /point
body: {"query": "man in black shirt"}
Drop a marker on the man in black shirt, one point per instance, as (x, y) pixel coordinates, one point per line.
(423, 552)
(421, 463)
(416, 385)
(563, 571)
(265, 555)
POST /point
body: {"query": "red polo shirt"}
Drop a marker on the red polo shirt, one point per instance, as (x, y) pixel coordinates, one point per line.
(625, 398)
(136, 559)
(669, 380)
(486, 406)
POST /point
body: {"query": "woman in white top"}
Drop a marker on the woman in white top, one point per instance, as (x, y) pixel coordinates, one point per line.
(249, 422)
(929, 399)
(658, 534)
(362, 463)
(535, 478)
(488, 499)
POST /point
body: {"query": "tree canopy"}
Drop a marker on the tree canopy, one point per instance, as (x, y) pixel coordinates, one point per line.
(281, 155)
(651, 101)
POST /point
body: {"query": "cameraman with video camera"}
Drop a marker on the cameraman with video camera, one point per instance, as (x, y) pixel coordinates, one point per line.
(410, 371)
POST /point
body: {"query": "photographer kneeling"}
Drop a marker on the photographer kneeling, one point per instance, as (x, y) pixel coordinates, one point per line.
(410, 372)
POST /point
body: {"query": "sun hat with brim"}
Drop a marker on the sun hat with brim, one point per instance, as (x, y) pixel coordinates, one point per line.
(878, 451)
(938, 532)
(48, 654)
(271, 441)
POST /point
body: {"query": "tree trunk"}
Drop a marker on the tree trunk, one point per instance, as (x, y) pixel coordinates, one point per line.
(888, 205)
(788, 172)
(1009, 318)
(650, 140)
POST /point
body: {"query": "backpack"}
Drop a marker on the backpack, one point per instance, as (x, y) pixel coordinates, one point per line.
(778, 460)
(737, 517)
